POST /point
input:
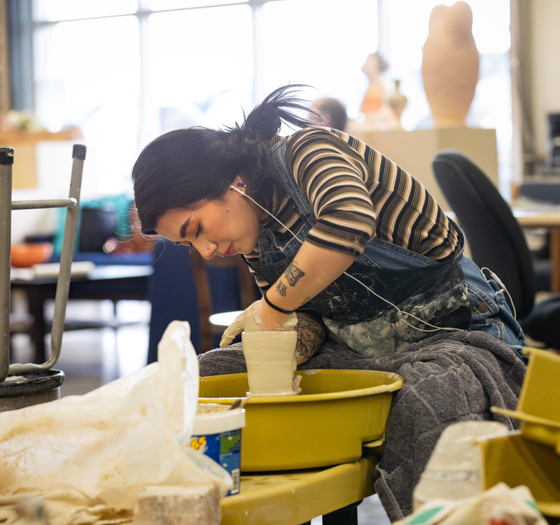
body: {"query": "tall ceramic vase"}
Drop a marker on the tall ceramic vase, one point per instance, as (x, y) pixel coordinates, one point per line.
(450, 64)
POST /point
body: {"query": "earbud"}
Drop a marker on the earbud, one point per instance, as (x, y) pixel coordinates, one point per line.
(241, 185)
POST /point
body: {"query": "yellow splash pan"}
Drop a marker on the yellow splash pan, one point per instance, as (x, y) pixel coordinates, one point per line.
(539, 402)
(516, 460)
(336, 412)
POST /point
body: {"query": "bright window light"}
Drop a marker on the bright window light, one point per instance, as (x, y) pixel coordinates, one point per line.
(92, 83)
(138, 69)
(201, 66)
(323, 43)
(57, 10)
(164, 5)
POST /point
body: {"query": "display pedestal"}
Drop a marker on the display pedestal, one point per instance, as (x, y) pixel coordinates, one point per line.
(414, 150)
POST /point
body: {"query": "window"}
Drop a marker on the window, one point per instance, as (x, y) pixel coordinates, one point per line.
(87, 73)
(125, 71)
(325, 46)
(200, 66)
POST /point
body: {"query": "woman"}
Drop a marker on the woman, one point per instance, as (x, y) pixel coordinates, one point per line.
(330, 228)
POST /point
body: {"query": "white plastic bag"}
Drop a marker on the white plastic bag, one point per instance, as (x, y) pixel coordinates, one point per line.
(499, 505)
(109, 444)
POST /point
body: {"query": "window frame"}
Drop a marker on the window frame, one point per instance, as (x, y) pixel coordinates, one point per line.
(23, 26)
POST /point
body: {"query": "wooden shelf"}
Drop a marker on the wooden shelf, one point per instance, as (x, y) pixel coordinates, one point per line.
(24, 174)
(11, 137)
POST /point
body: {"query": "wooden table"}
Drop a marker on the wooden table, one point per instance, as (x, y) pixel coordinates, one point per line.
(111, 282)
(548, 218)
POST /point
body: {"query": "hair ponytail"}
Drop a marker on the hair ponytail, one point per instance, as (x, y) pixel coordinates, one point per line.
(280, 106)
(185, 167)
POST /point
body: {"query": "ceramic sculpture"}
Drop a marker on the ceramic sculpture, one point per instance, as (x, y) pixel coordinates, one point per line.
(450, 64)
(377, 113)
(397, 101)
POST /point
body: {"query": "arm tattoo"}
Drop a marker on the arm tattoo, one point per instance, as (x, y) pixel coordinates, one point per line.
(293, 273)
(281, 288)
(304, 301)
(311, 335)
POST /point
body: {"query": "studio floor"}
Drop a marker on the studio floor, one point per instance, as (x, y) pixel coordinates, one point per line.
(91, 358)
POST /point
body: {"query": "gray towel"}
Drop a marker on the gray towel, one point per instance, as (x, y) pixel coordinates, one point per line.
(448, 378)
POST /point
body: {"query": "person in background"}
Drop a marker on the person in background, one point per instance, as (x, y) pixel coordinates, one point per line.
(333, 110)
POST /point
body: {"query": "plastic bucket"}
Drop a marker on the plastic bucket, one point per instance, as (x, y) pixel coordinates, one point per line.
(515, 460)
(218, 436)
(539, 402)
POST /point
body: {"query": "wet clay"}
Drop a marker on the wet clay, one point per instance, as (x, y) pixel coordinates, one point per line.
(270, 362)
(210, 408)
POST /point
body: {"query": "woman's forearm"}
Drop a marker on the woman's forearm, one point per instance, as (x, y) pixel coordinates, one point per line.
(311, 335)
(311, 271)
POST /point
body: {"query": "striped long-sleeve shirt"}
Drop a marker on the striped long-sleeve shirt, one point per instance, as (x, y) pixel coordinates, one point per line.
(356, 194)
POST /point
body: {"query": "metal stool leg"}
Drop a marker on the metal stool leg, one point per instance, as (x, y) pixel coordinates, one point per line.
(344, 516)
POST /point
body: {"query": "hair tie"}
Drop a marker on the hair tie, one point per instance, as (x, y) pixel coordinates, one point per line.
(277, 308)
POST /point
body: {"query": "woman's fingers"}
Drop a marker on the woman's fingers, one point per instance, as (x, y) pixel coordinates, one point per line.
(249, 320)
(233, 330)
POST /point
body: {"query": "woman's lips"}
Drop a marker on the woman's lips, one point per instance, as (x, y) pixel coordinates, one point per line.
(230, 251)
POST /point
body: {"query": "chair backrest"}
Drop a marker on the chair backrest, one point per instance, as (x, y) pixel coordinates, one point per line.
(495, 237)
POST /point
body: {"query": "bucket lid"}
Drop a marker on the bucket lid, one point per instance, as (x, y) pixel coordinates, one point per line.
(218, 422)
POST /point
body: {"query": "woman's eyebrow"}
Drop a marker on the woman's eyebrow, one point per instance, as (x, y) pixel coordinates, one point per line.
(183, 230)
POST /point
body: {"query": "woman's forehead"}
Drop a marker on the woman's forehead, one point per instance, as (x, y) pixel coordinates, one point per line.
(172, 220)
(179, 215)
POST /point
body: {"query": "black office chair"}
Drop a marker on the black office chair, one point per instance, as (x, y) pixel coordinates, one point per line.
(497, 241)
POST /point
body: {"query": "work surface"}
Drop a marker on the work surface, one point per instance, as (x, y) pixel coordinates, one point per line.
(115, 283)
(548, 217)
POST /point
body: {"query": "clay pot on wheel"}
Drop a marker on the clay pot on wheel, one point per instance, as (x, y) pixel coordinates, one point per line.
(450, 64)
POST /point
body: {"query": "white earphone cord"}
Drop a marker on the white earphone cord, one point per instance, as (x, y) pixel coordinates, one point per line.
(500, 283)
(434, 328)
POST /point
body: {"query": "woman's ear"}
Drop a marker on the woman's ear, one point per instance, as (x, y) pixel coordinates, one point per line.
(238, 186)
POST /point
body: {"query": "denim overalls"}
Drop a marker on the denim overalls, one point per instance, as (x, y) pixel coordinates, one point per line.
(452, 294)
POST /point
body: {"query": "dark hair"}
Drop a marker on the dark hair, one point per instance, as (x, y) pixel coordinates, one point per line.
(186, 167)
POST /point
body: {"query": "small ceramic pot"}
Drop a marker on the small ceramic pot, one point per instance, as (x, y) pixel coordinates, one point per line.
(26, 255)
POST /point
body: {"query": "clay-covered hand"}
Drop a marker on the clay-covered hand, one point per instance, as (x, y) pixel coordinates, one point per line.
(250, 320)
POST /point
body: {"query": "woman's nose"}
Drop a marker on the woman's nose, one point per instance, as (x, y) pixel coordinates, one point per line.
(208, 249)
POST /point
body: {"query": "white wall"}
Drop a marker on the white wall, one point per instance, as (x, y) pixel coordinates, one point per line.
(544, 69)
